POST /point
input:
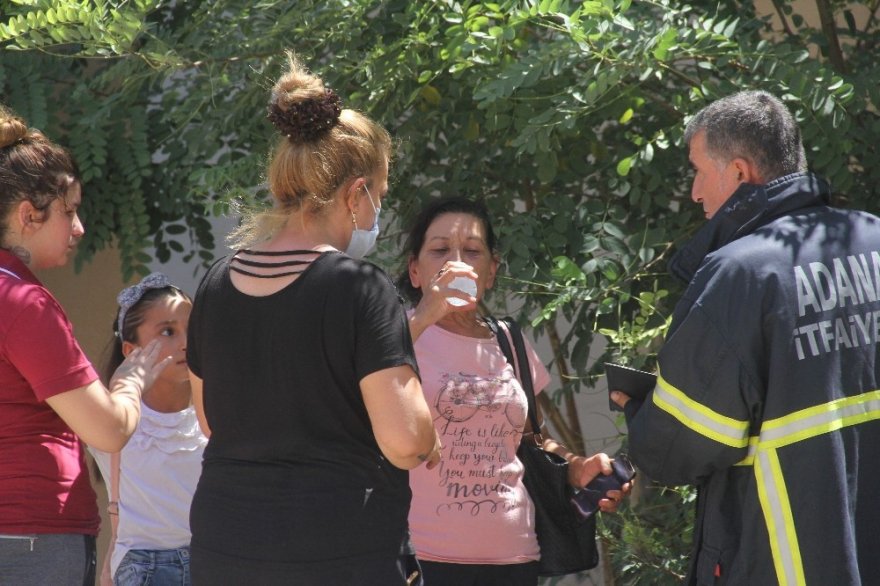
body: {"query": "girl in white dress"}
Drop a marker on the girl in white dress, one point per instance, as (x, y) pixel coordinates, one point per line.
(152, 480)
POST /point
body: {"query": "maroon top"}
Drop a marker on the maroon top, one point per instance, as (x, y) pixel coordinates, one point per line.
(44, 482)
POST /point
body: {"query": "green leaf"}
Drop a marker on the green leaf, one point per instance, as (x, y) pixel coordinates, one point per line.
(664, 42)
(613, 230)
(521, 249)
(430, 94)
(175, 229)
(472, 130)
(566, 270)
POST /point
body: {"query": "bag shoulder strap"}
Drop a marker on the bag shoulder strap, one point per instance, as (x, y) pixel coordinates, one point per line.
(506, 330)
(503, 341)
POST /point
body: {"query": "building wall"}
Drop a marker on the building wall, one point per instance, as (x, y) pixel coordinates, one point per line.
(89, 298)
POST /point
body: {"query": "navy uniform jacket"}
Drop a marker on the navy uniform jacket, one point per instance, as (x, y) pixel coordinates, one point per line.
(767, 395)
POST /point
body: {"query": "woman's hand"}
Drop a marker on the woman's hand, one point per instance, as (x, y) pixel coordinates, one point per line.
(140, 368)
(105, 579)
(435, 295)
(105, 420)
(433, 459)
(615, 497)
(434, 305)
(582, 470)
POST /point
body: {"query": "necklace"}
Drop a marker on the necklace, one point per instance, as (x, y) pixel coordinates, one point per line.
(478, 328)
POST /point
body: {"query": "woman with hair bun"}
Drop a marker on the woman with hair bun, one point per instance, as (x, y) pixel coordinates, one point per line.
(50, 394)
(302, 369)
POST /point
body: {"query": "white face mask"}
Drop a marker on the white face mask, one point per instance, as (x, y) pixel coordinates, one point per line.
(362, 241)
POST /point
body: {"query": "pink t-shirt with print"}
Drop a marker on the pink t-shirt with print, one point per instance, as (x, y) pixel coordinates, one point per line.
(473, 507)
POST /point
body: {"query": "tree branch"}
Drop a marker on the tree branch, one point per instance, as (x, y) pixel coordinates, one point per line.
(574, 422)
(869, 23)
(569, 432)
(777, 4)
(829, 27)
(563, 433)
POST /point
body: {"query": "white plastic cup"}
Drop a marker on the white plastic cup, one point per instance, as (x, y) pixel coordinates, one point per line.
(465, 285)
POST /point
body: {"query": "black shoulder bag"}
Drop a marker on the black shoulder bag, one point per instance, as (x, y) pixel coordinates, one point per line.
(566, 539)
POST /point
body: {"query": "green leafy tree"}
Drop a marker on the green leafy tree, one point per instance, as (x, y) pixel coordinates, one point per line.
(565, 117)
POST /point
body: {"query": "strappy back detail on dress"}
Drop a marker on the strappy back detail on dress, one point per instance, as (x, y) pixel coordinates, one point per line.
(259, 273)
(297, 260)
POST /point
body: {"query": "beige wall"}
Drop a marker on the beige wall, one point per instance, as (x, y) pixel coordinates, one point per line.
(89, 298)
(807, 9)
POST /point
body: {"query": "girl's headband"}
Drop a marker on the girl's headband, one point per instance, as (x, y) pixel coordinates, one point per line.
(131, 295)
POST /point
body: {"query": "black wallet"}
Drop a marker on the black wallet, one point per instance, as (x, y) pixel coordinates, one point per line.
(586, 500)
(635, 383)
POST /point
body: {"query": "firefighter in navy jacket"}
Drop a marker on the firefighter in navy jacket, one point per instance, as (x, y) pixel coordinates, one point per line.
(767, 396)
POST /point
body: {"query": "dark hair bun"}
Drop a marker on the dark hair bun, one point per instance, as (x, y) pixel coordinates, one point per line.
(307, 120)
(12, 128)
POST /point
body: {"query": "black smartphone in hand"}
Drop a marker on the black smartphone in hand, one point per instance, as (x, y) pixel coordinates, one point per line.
(635, 383)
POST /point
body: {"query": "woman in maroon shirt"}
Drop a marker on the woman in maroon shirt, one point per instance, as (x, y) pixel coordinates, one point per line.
(50, 395)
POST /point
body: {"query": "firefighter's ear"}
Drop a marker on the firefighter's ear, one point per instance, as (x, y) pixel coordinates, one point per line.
(746, 172)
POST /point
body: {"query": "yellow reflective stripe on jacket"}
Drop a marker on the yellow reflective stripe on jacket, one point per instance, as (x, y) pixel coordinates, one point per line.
(784, 431)
(777, 514)
(820, 419)
(750, 457)
(699, 418)
(763, 456)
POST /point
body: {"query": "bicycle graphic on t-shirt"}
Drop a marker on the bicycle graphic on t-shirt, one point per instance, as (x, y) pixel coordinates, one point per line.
(462, 396)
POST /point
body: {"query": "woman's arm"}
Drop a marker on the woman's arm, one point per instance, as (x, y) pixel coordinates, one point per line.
(196, 386)
(106, 419)
(106, 578)
(582, 470)
(400, 417)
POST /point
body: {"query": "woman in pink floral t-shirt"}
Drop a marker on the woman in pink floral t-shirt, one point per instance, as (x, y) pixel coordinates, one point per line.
(472, 520)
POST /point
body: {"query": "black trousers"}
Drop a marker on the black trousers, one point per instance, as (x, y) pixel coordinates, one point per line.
(446, 574)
